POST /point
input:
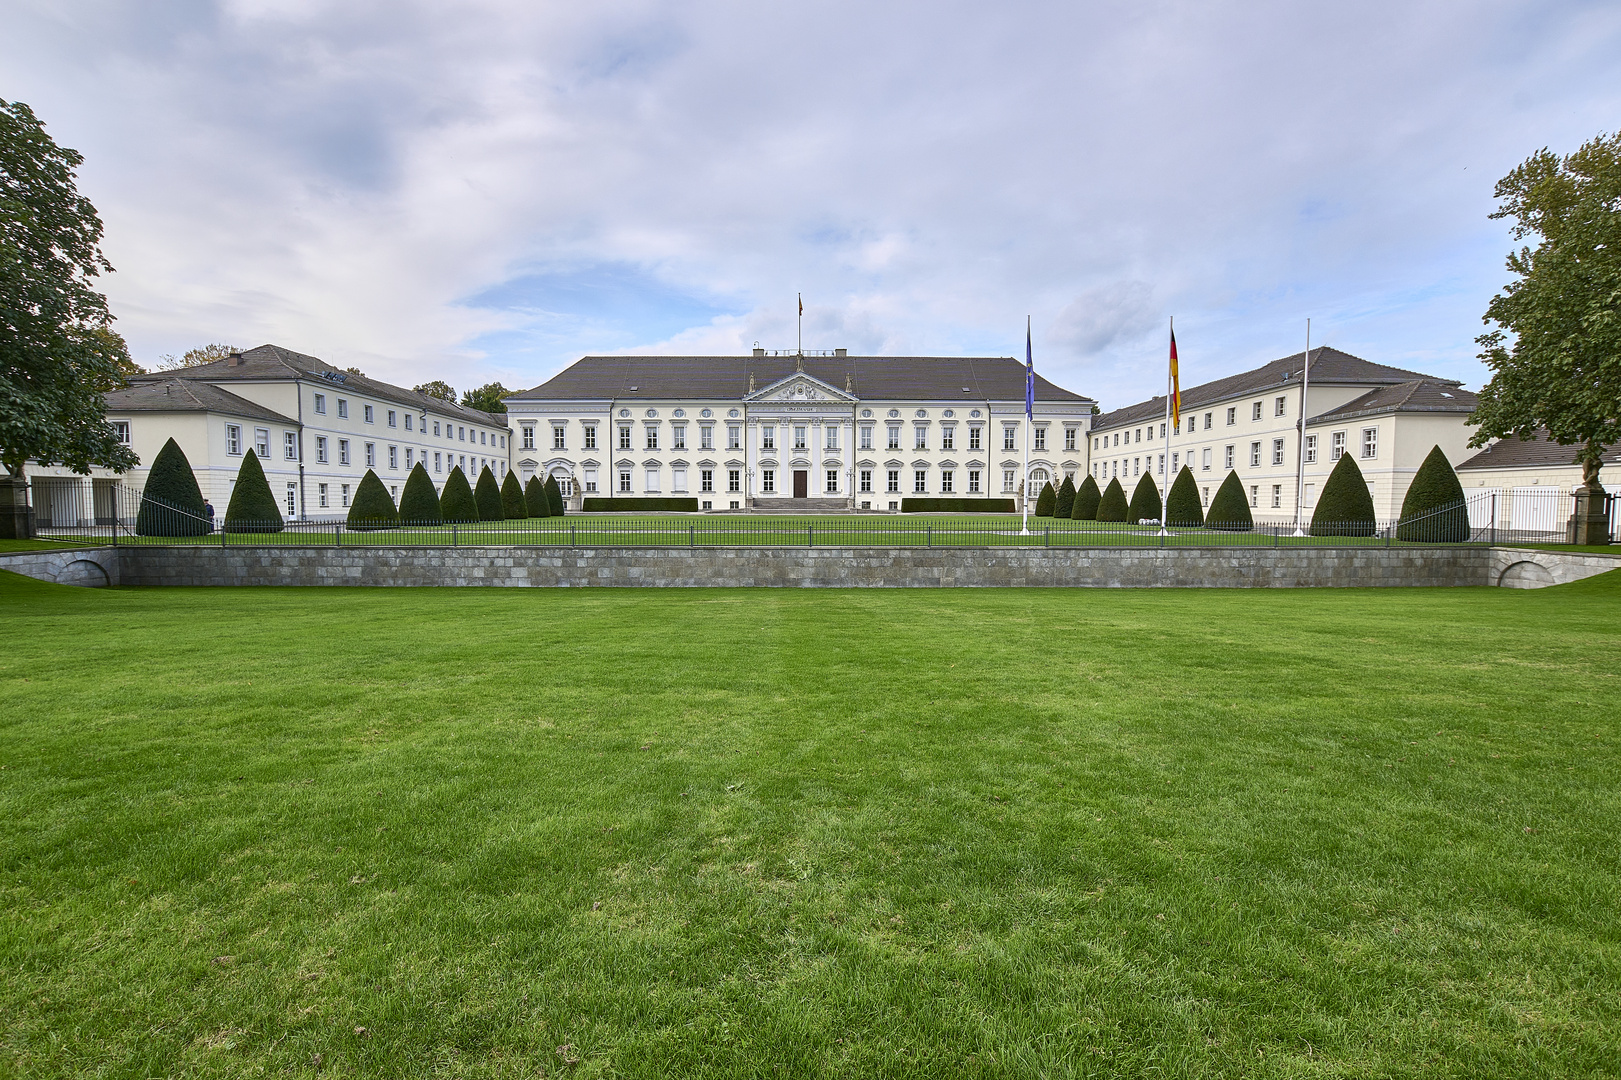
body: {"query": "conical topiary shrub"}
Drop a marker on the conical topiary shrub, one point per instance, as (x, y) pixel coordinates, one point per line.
(554, 496)
(1112, 507)
(1182, 504)
(419, 503)
(1144, 502)
(456, 504)
(373, 507)
(1434, 510)
(488, 496)
(1345, 507)
(172, 503)
(1046, 501)
(252, 508)
(1230, 510)
(1066, 499)
(534, 498)
(512, 504)
(1087, 497)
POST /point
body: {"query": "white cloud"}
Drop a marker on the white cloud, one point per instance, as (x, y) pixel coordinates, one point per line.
(1104, 315)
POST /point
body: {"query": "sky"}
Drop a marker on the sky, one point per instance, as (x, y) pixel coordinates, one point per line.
(489, 190)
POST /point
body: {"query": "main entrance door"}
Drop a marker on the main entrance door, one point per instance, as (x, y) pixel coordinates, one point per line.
(801, 484)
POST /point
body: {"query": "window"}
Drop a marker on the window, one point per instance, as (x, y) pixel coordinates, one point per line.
(1094, 442)
(233, 439)
(1204, 464)
(1176, 460)
(624, 481)
(1069, 438)
(392, 419)
(706, 436)
(973, 437)
(652, 434)
(526, 432)
(343, 451)
(920, 437)
(565, 486)
(920, 482)
(1255, 455)
(768, 481)
(261, 442)
(1136, 466)
(678, 479)
(320, 449)
(121, 432)
(482, 438)
(320, 495)
(866, 436)
(1311, 449)
(1370, 442)
(734, 480)
(1041, 438)
(866, 481)
(678, 436)
(343, 408)
(1178, 429)
(436, 429)
(343, 493)
(461, 463)
(894, 482)
(948, 437)
(832, 437)
(590, 436)
(590, 476)
(973, 481)
(624, 436)
(289, 445)
(371, 416)
(1227, 457)
(438, 466)
(1010, 437)
(945, 482)
(1008, 476)
(652, 480)
(832, 482)
(1279, 406)
(706, 479)
(292, 499)
(1337, 445)
(408, 423)
(1232, 416)
(1277, 494)
(371, 455)
(734, 438)
(394, 492)
(768, 437)
(320, 404)
(393, 457)
(461, 434)
(1255, 414)
(1277, 451)
(1255, 495)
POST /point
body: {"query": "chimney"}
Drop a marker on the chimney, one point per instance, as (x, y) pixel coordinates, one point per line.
(759, 351)
(841, 352)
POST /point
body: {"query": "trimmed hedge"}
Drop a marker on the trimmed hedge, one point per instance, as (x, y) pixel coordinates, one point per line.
(456, 504)
(1144, 502)
(1230, 510)
(1182, 504)
(607, 504)
(512, 504)
(488, 496)
(957, 506)
(1087, 497)
(253, 506)
(554, 496)
(1046, 501)
(373, 507)
(1434, 510)
(1345, 507)
(1112, 507)
(172, 503)
(534, 498)
(1066, 499)
(419, 503)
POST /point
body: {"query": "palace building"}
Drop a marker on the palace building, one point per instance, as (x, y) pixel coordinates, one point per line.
(795, 431)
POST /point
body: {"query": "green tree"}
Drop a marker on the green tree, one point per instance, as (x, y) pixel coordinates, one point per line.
(1066, 499)
(488, 496)
(205, 354)
(534, 498)
(253, 507)
(1230, 509)
(58, 351)
(1087, 497)
(1434, 509)
(1182, 505)
(419, 502)
(1047, 501)
(373, 507)
(1144, 502)
(486, 398)
(1563, 308)
(1345, 507)
(1113, 506)
(554, 496)
(456, 502)
(172, 503)
(512, 504)
(438, 388)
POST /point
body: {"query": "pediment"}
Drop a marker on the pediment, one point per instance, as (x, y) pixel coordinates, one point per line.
(800, 389)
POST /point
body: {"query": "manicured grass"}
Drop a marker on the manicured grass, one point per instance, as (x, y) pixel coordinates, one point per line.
(36, 545)
(776, 833)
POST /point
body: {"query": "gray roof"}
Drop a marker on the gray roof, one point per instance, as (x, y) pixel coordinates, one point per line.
(272, 362)
(1329, 367)
(924, 378)
(1417, 395)
(176, 394)
(1516, 453)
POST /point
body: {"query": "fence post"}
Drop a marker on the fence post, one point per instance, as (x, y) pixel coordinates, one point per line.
(810, 538)
(455, 537)
(1274, 534)
(1494, 518)
(571, 529)
(222, 532)
(692, 535)
(1390, 534)
(928, 532)
(337, 534)
(1047, 537)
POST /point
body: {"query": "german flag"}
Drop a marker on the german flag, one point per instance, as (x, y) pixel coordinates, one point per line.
(1176, 386)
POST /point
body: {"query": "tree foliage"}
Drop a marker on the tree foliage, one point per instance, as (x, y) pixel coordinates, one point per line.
(438, 388)
(486, 398)
(1087, 497)
(488, 496)
(172, 503)
(1434, 509)
(203, 354)
(1065, 503)
(1563, 370)
(1113, 505)
(534, 498)
(253, 507)
(1047, 501)
(1230, 509)
(419, 502)
(373, 507)
(1182, 506)
(554, 496)
(58, 351)
(1145, 504)
(512, 504)
(456, 502)
(1345, 508)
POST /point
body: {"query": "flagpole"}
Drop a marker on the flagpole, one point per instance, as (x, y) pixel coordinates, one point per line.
(801, 324)
(1300, 450)
(1029, 419)
(1165, 477)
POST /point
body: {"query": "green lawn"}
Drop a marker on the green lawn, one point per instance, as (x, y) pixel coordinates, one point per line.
(38, 545)
(778, 833)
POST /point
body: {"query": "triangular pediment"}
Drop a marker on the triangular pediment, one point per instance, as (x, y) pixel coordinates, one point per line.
(799, 389)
